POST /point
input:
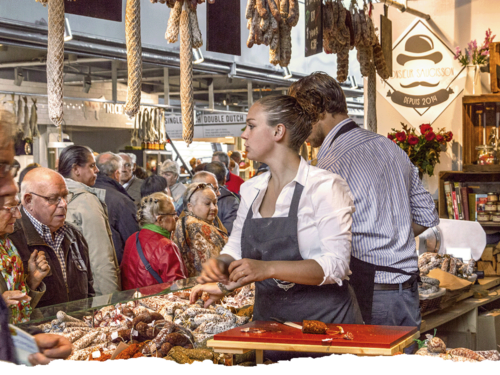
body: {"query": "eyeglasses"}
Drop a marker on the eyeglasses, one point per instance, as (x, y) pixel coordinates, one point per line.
(52, 200)
(8, 168)
(127, 165)
(201, 186)
(12, 209)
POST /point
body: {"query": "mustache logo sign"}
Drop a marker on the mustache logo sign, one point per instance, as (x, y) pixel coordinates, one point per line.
(426, 78)
(419, 83)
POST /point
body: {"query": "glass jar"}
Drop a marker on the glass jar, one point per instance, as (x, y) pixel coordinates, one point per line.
(486, 155)
(492, 197)
(490, 207)
(495, 217)
(483, 217)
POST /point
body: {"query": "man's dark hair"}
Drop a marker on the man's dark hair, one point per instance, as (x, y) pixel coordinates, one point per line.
(153, 184)
(71, 156)
(219, 170)
(222, 156)
(321, 91)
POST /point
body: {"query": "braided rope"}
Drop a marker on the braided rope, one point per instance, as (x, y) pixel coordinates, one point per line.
(172, 33)
(187, 97)
(55, 61)
(134, 56)
(372, 99)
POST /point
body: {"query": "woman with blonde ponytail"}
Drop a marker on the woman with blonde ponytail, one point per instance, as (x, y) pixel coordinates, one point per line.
(150, 257)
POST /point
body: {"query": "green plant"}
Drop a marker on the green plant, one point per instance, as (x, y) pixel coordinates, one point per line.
(424, 149)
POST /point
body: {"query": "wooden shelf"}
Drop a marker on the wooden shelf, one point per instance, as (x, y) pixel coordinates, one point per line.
(479, 99)
(474, 168)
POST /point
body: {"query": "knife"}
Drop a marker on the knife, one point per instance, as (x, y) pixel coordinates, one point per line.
(290, 324)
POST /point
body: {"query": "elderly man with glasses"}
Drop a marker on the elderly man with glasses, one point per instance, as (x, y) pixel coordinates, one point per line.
(128, 180)
(42, 227)
(171, 170)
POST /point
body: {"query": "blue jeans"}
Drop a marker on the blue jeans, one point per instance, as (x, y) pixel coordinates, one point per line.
(397, 308)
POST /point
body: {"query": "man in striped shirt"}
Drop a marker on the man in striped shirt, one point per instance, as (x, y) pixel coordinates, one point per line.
(392, 206)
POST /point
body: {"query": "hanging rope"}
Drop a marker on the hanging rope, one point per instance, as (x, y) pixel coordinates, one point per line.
(187, 97)
(55, 61)
(134, 56)
(372, 99)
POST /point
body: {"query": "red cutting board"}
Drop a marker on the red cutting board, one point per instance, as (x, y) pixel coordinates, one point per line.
(365, 336)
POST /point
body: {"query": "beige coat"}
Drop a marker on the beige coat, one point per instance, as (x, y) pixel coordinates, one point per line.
(88, 212)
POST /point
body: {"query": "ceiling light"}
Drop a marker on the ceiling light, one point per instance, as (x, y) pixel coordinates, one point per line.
(197, 56)
(67, 31)
(224, 102)
(18, 76)
(287, 74)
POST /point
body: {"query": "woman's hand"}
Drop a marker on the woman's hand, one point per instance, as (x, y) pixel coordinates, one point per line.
(51, 347)
(213, 272)
(38, 268)
(212, 289)
(247, 271)
(13, 297)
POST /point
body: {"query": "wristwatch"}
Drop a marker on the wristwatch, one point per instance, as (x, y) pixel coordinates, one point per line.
(223, 288)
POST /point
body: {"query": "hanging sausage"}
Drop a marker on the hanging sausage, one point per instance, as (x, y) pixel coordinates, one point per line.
(134, 56)
(270, 23)
(55, 61)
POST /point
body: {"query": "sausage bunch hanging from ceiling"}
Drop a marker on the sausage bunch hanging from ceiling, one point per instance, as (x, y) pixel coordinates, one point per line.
(270, 23)
(183, 21)
(344, 29)
(55, 59)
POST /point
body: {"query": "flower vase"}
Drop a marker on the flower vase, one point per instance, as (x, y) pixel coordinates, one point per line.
(473, 82)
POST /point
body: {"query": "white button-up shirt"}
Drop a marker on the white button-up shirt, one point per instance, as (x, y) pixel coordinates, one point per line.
(324, 218)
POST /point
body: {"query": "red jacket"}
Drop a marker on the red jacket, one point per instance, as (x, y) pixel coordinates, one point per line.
(160, 252)
(234, 182)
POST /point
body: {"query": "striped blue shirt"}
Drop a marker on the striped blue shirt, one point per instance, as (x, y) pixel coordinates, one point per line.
(388, 197)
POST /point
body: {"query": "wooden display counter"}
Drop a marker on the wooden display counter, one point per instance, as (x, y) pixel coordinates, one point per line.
(367, 340)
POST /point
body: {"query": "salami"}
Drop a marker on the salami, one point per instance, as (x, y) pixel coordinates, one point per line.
(134, 56)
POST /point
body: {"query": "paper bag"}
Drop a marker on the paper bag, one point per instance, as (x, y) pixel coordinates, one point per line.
(449, 281)
(120, 348)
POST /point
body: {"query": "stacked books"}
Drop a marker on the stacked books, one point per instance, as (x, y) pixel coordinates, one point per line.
(462, 203)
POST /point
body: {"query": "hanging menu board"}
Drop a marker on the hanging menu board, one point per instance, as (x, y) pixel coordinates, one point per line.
(314, 28)
(107, 10)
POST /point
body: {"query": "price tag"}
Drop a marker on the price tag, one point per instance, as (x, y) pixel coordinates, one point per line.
(96, 354)
(114, 335)
(135, 333)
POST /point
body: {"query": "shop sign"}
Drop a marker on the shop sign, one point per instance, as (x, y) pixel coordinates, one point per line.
(314, 28)
(425, 78)
(218, 125)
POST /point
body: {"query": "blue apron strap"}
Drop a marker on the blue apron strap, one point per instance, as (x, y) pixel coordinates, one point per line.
(145, 261)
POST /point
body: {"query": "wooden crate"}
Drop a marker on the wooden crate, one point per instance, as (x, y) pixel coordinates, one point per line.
(495, 67)
(472, 129)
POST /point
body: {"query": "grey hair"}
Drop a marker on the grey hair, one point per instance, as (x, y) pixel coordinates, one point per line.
(222, 156)
(133, 157)
(202, 175)
(187, 194)
(111, 165)
(151, 206)
(170, 166)
(236, 154)
(7, 121)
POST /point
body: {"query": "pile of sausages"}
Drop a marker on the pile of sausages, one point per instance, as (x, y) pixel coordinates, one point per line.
(270, 23)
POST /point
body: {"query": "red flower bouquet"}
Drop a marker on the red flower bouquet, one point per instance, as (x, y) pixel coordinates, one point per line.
(423, 149)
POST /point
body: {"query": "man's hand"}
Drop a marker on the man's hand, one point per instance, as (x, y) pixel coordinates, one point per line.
(51, 347)
(213, 272)
(212, 289)
(38, 268)
(245, 271)
(13, 297)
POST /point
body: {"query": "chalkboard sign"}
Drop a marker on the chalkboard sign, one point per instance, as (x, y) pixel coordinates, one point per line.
(314, 28)
(224, 27)
(110, 10)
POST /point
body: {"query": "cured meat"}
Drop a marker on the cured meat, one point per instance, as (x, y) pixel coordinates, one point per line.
(55, 62)
(134, 56)
(187, 97)
(314, 326)
(195, 29)
(172, 33)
